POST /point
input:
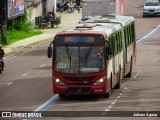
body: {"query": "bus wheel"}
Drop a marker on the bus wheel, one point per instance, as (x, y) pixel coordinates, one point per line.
(62, 95)
(130, 72)
(109, 92)
(118, 85)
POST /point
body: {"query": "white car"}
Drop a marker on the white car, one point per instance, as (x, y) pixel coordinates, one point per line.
(151, 8)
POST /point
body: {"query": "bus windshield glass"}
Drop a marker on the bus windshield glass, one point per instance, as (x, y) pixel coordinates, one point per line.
(79, 59)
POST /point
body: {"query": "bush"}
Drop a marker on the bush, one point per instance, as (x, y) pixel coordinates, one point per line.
(21, 23)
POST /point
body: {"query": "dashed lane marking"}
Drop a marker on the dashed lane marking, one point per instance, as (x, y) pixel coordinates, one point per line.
(25, 74)
(137, 74)
(156, 59)
(9, 83)
(109, 107)
(42, 65)
(118, 97)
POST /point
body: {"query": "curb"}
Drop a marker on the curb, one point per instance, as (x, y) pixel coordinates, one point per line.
(21, 49)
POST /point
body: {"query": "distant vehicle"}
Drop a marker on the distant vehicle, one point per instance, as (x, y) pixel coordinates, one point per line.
(65, 6)
(1, 65)
(93, 56)
(151, 8)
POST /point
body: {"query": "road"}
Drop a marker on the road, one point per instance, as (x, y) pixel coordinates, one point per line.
(25, 85)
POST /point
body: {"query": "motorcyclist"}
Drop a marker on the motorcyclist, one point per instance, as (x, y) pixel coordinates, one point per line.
(1, 56)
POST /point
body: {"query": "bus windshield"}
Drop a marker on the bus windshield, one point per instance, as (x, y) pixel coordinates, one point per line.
(78, 59)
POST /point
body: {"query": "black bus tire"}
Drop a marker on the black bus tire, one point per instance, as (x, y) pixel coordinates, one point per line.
(62, 95)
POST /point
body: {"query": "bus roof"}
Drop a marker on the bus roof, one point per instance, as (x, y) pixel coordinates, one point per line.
(107, 28)
(124, 20)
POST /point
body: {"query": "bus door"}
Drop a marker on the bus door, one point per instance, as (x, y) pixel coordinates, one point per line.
(113, 52)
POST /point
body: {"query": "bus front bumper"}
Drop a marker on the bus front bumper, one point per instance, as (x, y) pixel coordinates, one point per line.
(99, 89)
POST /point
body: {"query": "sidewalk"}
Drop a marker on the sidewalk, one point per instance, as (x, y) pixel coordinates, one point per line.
(67, 20)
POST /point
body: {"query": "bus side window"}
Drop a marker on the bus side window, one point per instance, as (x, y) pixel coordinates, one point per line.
(120, 41)
(109, 48)
(126, 38)
(117, 43)
(133, 32)
(113, 45)
(130, 33)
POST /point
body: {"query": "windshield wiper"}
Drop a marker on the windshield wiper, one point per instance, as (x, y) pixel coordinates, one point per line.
(68, 55)
(87, 55)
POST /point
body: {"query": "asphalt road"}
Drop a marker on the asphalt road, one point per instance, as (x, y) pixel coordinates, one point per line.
(25, 85)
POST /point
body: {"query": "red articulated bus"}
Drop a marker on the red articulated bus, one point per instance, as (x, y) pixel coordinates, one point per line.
(93, 56)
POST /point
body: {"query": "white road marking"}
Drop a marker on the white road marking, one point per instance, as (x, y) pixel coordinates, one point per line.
(156, 59)
(134, 77)
(118, 97)
(42, 65)
(137, 74)
(109, 107)
(113, 103)
(25, 74)
(148, 34)
(9, 83)
(125, 88)
(120, 94)
(44, 104)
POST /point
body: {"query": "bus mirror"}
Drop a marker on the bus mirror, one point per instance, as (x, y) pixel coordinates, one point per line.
(49, 52)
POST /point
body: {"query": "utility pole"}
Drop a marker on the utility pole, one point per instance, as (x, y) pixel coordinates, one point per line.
(3, 20)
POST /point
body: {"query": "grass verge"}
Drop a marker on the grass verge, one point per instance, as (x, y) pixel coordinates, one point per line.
(15, 35)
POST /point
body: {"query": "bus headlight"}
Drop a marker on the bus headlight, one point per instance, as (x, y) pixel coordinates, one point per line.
(59, 82)
(100, 81)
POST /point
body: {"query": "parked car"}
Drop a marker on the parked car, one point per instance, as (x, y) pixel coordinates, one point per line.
(151, 8)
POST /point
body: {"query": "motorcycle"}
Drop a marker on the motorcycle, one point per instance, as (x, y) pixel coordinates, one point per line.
(1, 65)
(65, 6)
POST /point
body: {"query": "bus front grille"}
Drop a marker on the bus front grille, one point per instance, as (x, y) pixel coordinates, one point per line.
(78, 90)
(79, 78)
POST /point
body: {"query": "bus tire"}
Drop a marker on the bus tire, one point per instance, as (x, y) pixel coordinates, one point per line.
(130, 72)
(62, 95)
(109, 92)
(118, 85)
